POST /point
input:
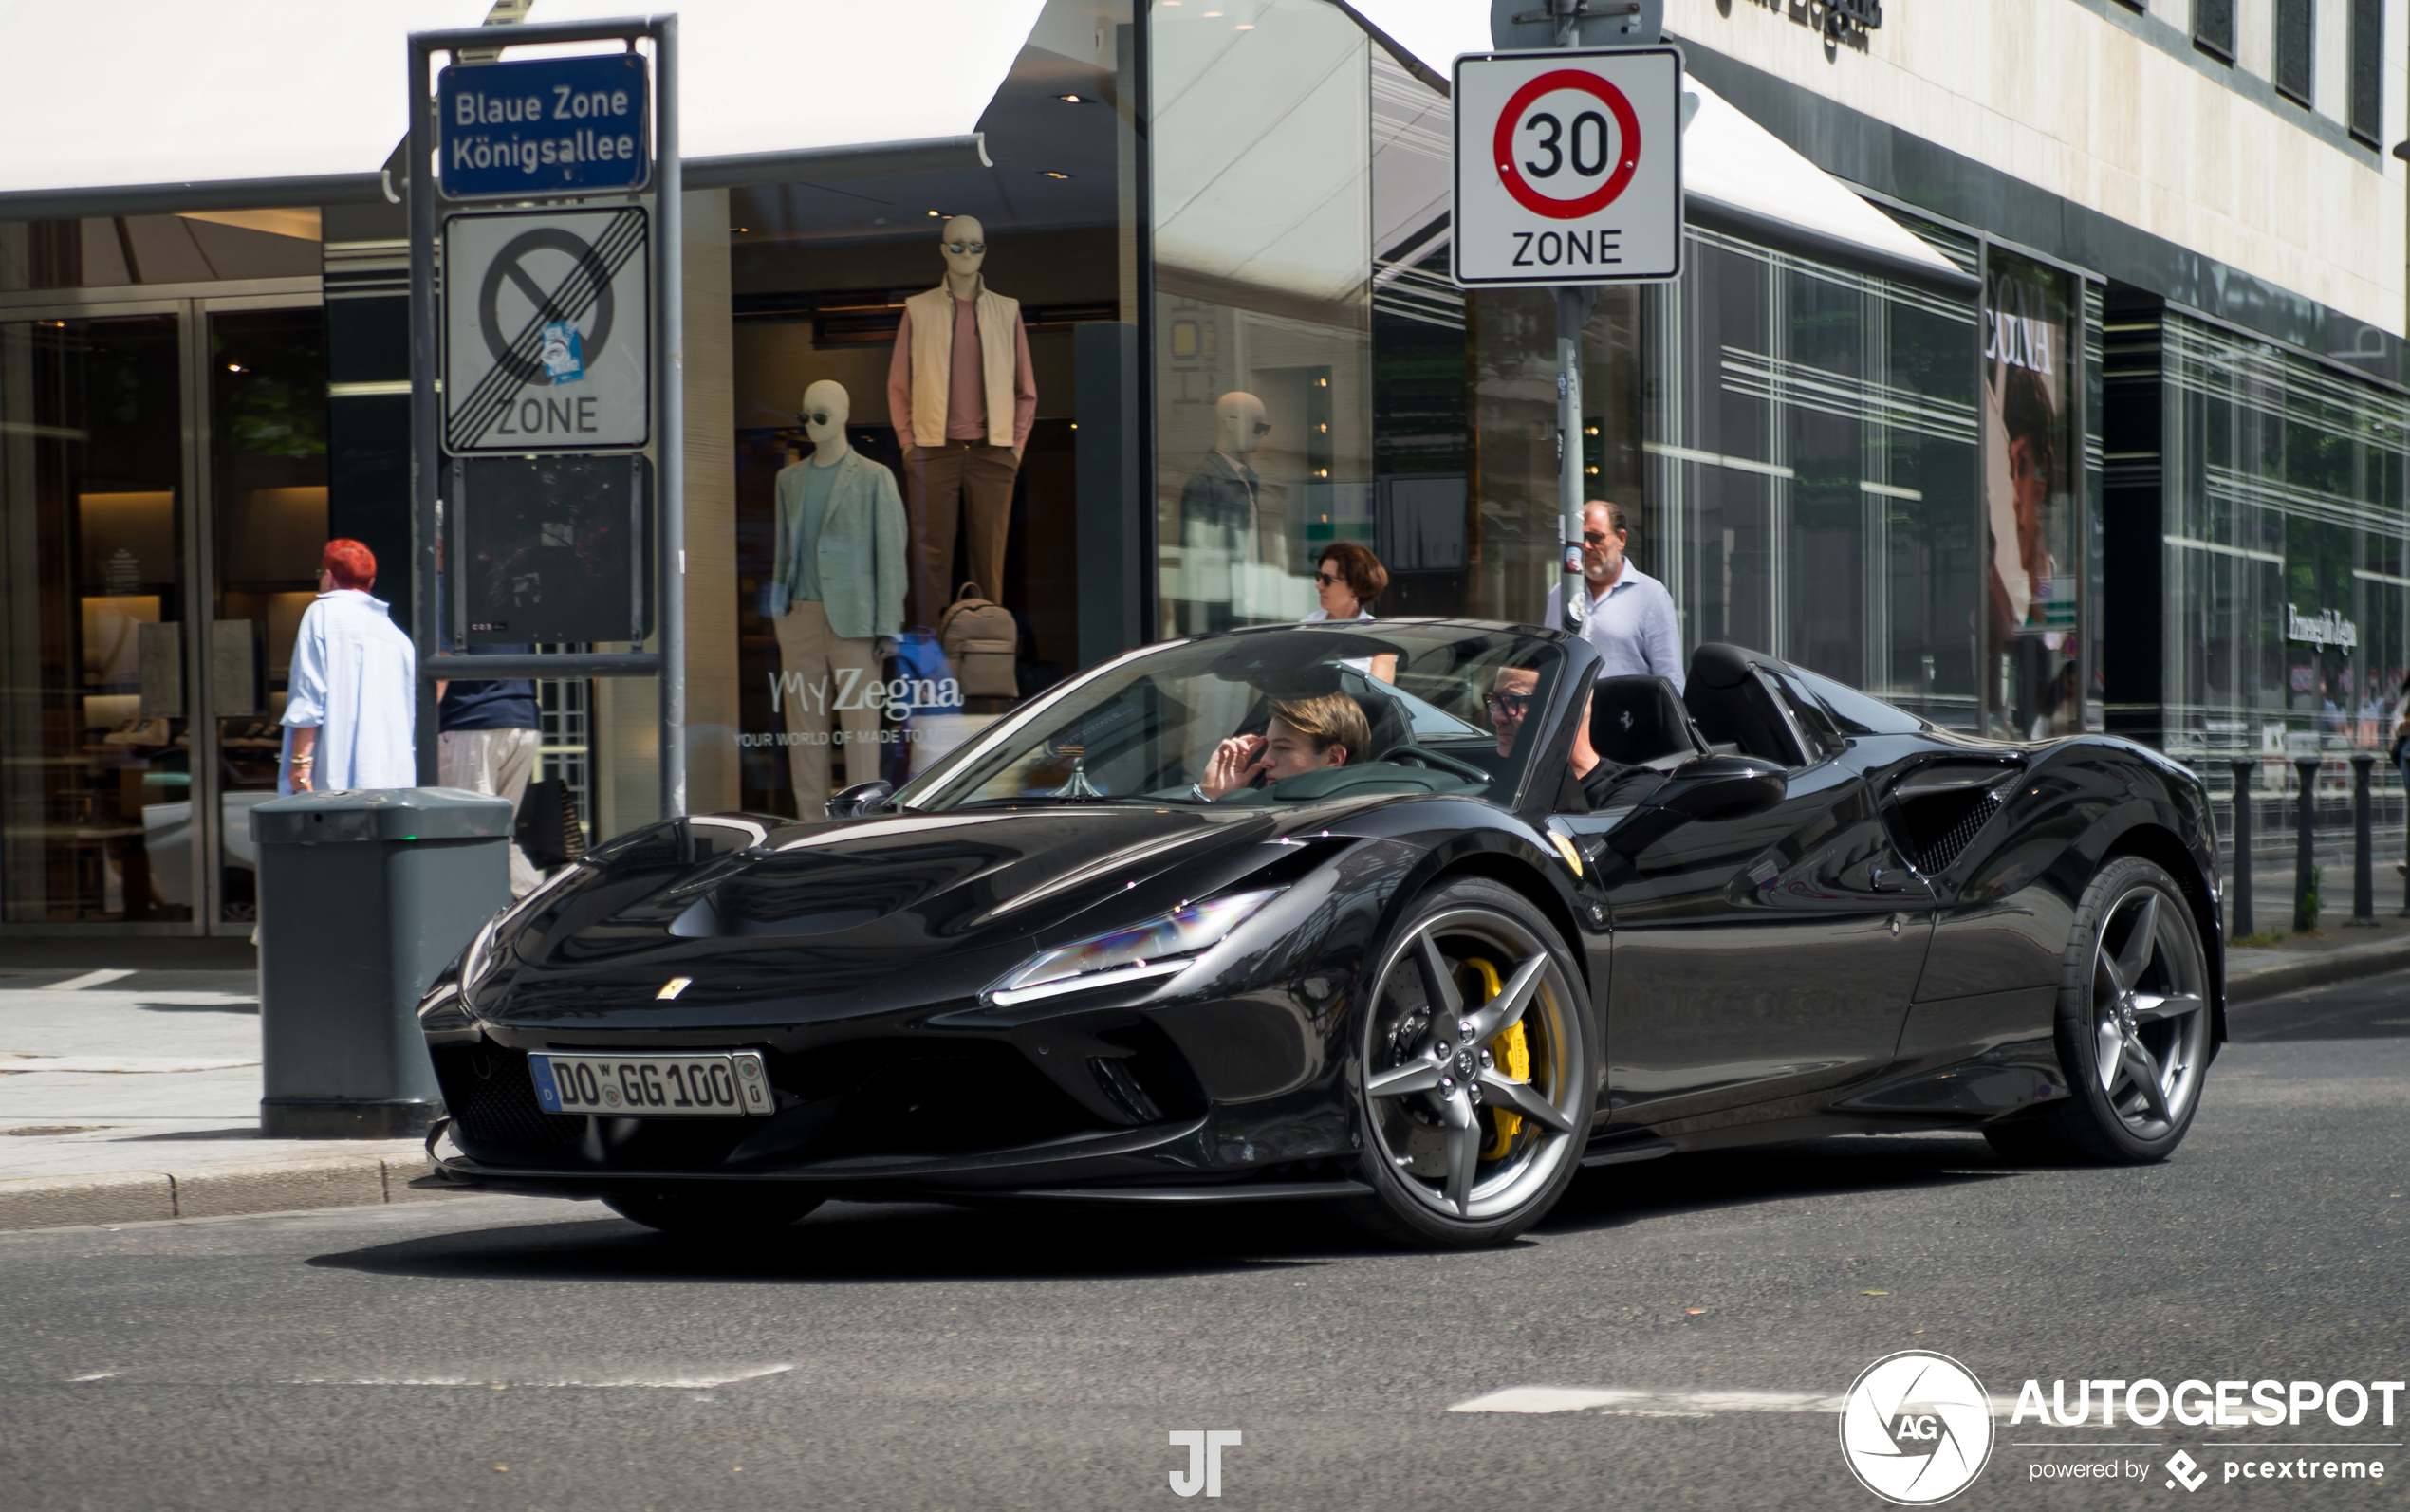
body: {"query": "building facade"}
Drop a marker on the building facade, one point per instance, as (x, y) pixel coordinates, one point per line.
(2077, 404)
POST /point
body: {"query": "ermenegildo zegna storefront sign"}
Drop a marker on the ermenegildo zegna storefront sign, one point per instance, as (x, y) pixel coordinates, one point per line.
(544, 126)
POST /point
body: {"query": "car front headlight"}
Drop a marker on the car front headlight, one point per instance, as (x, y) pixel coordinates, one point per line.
(1156, 948)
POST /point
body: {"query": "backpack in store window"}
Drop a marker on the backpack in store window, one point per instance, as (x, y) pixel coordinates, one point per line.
(980, 638)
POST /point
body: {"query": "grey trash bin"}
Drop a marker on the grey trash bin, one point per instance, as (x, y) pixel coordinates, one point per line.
(364, 897)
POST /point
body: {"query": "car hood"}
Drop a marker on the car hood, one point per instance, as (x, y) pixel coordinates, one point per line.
(822, 919)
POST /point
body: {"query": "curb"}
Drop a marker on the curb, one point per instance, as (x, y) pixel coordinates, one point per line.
(2316, 970)
(212, 1192)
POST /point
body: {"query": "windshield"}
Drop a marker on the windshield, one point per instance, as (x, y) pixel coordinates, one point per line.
(1271, 716)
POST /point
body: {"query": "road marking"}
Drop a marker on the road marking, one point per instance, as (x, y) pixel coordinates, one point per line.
(89, 979)
(1626, 1402)
(659, 1383)
(96, 1376)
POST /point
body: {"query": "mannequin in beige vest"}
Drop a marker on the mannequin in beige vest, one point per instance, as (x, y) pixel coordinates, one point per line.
(963, 398)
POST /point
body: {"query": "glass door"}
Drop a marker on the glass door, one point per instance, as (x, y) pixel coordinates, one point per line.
(265, 374)
(97, 654)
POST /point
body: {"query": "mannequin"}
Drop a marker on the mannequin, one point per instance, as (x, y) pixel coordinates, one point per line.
(837, 589)
(962, 397)
(1222, 505)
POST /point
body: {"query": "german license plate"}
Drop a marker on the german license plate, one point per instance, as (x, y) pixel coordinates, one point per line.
(733, 1085)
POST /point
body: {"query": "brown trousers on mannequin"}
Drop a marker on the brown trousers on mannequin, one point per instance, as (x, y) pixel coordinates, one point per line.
(812, 659)
(945, 487)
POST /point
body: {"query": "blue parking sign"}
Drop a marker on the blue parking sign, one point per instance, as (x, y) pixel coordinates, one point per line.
(545, 126)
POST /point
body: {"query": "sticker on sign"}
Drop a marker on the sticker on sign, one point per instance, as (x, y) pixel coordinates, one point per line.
(1568, 166)
(545, 324)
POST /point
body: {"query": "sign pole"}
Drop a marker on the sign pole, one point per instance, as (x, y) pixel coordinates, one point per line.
(669, 388)
(1573, 307)
(426, 465)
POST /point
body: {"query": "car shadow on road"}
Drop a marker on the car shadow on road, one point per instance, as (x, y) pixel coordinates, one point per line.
(859, 1241)
(1614, 1196)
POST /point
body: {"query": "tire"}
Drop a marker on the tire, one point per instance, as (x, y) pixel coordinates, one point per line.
(719, 1210)
(2132, 1030)
(1462, 1149)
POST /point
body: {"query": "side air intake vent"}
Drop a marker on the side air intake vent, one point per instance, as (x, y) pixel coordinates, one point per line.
(1946, 848)
(1938, 810)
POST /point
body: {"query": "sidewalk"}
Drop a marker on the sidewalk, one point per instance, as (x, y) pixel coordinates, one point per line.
(131, 1094)
(135, 1096)
(2337, 952)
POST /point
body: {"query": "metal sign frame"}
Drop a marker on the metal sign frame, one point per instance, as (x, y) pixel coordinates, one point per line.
(427, 469)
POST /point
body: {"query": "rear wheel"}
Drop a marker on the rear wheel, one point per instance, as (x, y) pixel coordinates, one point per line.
(2133, 1027)
(1476, 1071)
(729, 1210)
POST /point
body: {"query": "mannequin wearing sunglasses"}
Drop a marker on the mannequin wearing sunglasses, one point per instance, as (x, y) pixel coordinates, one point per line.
(962, 396)
(1228, 523)
(836, 590)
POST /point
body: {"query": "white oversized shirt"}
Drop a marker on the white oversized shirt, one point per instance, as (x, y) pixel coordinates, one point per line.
(355, 680)
(1632, 625)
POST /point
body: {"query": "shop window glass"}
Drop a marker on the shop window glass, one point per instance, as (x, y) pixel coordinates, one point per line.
(1262, 241)
(2288, 598)
(199, 246)
(96, 704)
(825, 276)
(1809, 461)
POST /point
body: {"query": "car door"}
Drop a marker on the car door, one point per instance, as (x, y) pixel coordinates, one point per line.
(1765, 956)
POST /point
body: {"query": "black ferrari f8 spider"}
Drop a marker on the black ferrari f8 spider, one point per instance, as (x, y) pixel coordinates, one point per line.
(1325, 913)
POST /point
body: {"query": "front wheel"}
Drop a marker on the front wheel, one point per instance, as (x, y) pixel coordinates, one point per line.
(2133, 1027)
(1476, 1071)
(720, 1210)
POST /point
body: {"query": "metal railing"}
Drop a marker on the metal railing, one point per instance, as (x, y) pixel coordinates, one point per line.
(2358, 827)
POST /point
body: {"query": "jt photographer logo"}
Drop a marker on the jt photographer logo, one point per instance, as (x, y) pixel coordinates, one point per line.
(1204, 1472)
(1916, 1427)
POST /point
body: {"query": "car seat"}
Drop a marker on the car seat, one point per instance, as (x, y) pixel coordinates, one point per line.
(1729, 697)
(1640, 721)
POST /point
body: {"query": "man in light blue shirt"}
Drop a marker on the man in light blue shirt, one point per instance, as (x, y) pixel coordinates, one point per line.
(353, 698)
(1626, 614)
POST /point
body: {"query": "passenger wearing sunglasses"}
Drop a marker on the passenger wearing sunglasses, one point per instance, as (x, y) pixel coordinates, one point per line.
(1348, 578)
(1509, 702)
(1626, 614)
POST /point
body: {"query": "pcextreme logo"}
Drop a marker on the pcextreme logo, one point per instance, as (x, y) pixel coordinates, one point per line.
(1916, 1427)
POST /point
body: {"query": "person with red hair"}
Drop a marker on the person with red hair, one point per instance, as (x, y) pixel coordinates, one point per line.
(351, 703)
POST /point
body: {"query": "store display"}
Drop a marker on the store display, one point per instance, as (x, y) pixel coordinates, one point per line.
(836, 590)
(962, 395)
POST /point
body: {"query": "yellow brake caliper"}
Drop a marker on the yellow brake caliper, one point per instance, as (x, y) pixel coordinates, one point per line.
(1512, 1053)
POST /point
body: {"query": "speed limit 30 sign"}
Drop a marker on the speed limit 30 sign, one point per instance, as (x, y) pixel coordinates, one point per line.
(1568, 166)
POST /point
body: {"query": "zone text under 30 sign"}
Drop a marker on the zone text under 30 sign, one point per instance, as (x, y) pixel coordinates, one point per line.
(1568, 166)
(546, 327)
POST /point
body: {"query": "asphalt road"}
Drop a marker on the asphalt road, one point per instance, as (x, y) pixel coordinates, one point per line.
(504, 1353)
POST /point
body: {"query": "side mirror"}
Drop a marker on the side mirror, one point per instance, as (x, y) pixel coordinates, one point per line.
(1711, 787)
(862, 797)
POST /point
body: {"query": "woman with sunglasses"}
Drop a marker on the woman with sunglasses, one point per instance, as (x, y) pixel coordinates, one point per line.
(1348, 578)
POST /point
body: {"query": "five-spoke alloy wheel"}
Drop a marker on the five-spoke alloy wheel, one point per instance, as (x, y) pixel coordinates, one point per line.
(1478, 1070)
(2133, 1027)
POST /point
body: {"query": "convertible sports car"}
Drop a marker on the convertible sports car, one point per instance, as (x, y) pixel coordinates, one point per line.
(1121, 948)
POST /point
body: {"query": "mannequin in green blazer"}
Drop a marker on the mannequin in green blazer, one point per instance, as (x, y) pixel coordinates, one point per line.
(837, 591)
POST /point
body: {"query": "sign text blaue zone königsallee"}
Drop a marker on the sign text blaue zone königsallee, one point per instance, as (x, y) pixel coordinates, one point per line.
(544, 126)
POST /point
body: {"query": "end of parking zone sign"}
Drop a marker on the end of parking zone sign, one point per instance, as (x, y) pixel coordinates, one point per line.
(1568, 166)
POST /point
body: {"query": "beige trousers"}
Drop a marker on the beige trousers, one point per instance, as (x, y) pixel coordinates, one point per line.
(819, 673)
(497, 762)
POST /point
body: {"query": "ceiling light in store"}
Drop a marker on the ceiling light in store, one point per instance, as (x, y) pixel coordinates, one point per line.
(1245, 25)
(1210, 16)
(234, 367)
(1071, 100)
(1049, 173)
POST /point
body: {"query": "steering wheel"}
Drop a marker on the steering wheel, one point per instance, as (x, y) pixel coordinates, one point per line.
(1408, 752)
